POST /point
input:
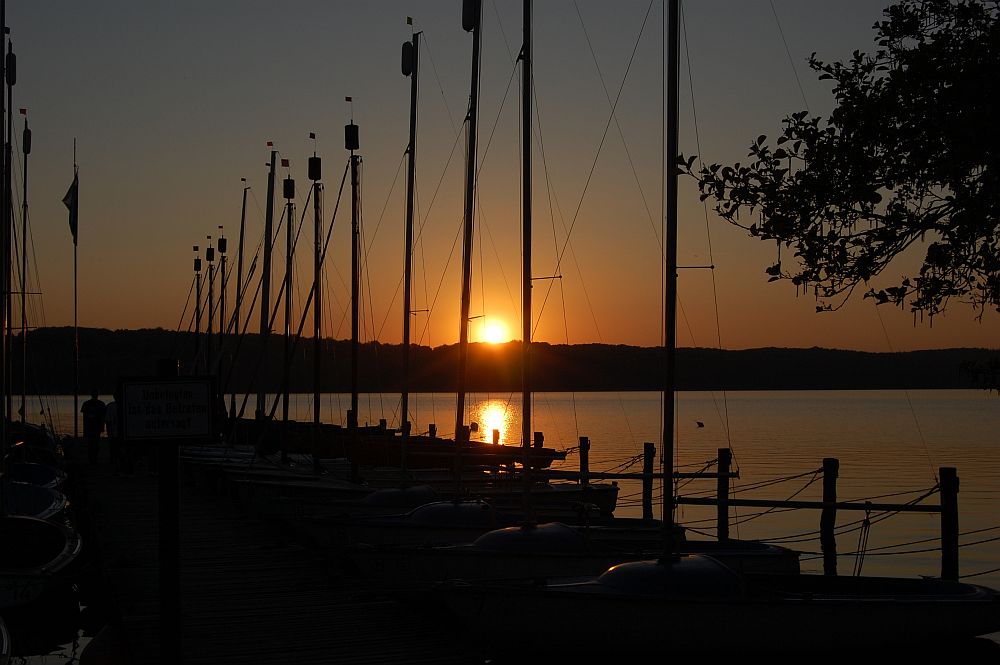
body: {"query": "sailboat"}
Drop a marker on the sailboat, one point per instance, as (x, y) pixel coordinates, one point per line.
(35, 552)
(461, 452)
(536, 548)
(687, 603)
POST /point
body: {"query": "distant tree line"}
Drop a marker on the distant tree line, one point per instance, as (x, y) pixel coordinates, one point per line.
(106, 356)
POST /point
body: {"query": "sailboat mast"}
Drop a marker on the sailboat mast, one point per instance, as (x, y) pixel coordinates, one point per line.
(221, 247)
(26, 149)
(526, 244)
(471, 22)
(239, 284)
(11, 70)
(265, 290)
(315, 174)
(670, 290)
(288, 190)
(210, 330)
(410, 66)
(197, 309)
(351, 140)
(4, 240)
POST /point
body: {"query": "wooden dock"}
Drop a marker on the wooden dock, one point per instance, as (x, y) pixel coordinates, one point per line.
(248, 592)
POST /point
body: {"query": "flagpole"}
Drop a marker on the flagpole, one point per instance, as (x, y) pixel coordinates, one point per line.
(76, 325)
(4, 250)
(26, 149)
(10, 68)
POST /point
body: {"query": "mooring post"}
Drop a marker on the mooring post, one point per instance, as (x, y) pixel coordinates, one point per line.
(584, 461)
(828, 518)
(722, 493)
(648, 455)
(949, 522)
(169, 539)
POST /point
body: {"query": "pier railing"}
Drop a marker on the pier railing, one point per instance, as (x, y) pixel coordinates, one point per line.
(947, 486)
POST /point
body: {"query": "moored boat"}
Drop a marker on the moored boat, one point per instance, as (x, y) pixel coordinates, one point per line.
(688, 604)
(42, 556)
(549, 550)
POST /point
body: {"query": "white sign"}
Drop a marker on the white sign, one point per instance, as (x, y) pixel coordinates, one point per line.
(168, 409)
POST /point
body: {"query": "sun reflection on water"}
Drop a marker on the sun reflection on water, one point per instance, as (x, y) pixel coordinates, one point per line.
(492, 415)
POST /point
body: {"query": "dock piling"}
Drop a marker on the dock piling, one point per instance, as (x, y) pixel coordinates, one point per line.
(828, 517)
(949, 522)
(648, 455)
(722, 493)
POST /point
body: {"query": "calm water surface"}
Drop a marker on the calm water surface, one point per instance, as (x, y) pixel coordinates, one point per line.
(888, 443)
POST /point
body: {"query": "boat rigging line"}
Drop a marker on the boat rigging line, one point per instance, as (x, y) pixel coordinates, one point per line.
(597, 155)
(788, 52)
(326, 244)
(621, 133)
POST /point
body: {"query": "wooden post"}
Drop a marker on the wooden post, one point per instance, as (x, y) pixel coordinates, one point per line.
(949, 522)
(648, 455)
(722, 493)
(828, 518)
(584, 461)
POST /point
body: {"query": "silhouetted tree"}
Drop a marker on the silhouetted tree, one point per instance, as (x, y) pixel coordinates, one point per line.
(910, 154)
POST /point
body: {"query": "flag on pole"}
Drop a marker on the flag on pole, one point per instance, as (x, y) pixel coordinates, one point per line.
(24, 111)
(284, 162)
(270, 144)
(409, 20)
(72, 201)
(312, 135)
(347, 99)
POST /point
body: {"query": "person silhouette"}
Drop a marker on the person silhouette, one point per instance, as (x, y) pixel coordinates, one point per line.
(93, 411)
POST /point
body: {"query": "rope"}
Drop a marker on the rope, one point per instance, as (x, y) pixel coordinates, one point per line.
(909, 402)
(982, 572)
(923, 550)
(593, 165)
(788, 52)
(862, 543)
(621, 134)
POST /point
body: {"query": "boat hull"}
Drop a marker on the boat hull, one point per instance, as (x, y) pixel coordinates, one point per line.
(770, 614)
(397, 566)
(47, 550)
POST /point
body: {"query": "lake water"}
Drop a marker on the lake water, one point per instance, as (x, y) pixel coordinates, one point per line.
(888, 443)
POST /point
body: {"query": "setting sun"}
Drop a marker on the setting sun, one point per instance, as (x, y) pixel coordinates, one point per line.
(495, 332)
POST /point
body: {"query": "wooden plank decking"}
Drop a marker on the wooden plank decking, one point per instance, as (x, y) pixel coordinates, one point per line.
(248, 593)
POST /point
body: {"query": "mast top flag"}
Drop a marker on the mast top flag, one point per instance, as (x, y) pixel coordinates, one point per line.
(72, 203)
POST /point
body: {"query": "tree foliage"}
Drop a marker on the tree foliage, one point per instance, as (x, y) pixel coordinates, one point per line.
(910, 155)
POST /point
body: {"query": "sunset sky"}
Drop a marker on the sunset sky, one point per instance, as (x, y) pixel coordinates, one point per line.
(172, 103)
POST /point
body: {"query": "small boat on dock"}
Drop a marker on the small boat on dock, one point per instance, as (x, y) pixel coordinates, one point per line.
(27, 500)
(692, 603)
(44, 552)
(543, 551)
